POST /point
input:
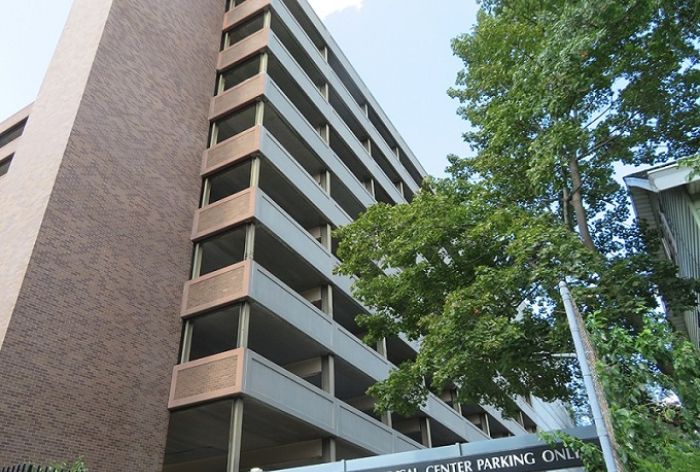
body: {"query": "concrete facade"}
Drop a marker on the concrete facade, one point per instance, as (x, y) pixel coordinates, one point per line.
(667, 199)
(168, 296)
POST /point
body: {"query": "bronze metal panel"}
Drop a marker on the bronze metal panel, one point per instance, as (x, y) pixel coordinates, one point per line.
(217, 288)
(225, 213)
(234, 149)
(243, 11)
(243, 49)
(235, 97)
(206, 379)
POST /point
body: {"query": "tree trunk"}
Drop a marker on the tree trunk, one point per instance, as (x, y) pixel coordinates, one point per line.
(577, 204)
(565, 207)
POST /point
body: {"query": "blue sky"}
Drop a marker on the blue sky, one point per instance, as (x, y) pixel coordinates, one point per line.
(400, 48)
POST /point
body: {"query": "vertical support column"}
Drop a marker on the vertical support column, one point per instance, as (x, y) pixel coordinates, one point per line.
(267, 19)
(397, 152)
(328, 374)
(327, 300)
(322, 234)
(367, 143)
(386, 419)
(382, 349)
(321, 297)
(259, 113)
(324, 53)
(186, 342)
(325, 91)
(486, 425)
(243, 325)
(425, 434)
(264, 59)
(249, 241)
(213, 135)
(196, 261)
(400, 188)
(325, 132)
(365, 109)
(255, 172)
(323, 178)
(369, 185)
(455, 404)
(206, 193)
(328, 450)
(235, 434)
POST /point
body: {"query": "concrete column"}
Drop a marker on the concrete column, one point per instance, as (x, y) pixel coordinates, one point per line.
(367, 143)
(382, 349)
(327, 300)
(259, 113)
(264, 58)
(321, 297)
(328, 450)
(328, 374)
(235, 435)
(486, 424)
(324, 180)
(369, 185)
(196, 261)
(255, 172)
(324, 53)
(386, 419)
(325, 91)
(322, 234)
(455, 404)
(325, 132)
(243, 325)
(425, 433)
(249, 241)
(186, 342)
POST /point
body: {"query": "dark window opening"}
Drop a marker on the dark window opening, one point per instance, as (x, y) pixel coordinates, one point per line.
(13, 133)
(5, 165)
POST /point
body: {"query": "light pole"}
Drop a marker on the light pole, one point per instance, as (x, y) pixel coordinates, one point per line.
(594, 390)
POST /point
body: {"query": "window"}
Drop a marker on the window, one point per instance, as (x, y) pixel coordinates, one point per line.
(13, 133)
(243, 30)
(239, 73)
(5, 165)
(233, 124)
(233, 3)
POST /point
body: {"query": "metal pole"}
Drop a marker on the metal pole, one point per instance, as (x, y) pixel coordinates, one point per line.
(595, 395)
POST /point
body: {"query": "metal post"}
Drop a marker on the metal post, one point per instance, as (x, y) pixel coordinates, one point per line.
(586, 358)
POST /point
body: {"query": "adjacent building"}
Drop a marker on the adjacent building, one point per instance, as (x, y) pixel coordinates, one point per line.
(214, 147)
(667, 199)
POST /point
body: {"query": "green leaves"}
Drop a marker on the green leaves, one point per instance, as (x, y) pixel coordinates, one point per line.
(463, 277)
(557, 94)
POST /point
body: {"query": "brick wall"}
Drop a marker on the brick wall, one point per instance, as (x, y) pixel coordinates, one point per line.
(87, 357)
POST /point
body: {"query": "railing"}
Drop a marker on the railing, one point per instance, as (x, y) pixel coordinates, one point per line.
(31, 468)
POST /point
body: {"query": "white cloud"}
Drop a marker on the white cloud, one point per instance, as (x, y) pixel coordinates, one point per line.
(325, 8)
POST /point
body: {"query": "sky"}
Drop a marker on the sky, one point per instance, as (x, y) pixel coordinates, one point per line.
(400, 49)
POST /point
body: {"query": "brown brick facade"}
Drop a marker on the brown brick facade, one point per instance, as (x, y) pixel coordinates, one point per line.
(85, 366)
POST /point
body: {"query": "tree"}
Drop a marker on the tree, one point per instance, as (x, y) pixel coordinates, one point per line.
(557, 93)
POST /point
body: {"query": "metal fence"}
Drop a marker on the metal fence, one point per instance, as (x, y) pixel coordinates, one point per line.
(30, 468)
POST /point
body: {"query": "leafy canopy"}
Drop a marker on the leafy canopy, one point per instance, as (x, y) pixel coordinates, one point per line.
(557, 94)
